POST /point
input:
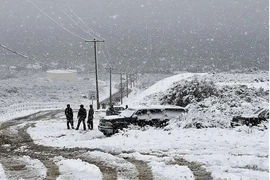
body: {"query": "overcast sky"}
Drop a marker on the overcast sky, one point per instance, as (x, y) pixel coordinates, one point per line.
(25, 27)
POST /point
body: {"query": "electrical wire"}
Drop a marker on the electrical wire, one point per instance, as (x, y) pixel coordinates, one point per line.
(108, 62)
(82, 21)
(22, 55)
(72, 19)
(107, 50)
(86, 31)
(55, 21)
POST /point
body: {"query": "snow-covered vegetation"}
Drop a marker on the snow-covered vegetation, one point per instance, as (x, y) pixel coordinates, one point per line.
(211, 99)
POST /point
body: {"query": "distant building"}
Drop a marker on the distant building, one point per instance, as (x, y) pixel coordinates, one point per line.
(59, 74)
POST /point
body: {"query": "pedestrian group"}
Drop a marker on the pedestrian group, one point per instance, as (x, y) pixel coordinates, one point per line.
(81, 117)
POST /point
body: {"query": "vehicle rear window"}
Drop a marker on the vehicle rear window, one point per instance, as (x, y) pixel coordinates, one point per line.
(141, 112)
(118, 108)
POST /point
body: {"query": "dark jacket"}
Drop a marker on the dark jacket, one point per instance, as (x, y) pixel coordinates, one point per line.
(110, 111)
(82, 113)
(69, 113)
(91, 114)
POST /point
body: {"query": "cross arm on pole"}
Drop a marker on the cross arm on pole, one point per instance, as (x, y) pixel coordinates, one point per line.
(95, 40)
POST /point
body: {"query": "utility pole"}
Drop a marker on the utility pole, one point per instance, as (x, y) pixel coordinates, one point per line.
(96, 68)
(136, 76)
(133, 80)
(127, 83)
(110, 86)
(130, 77)
(121, 85)
(121, 89)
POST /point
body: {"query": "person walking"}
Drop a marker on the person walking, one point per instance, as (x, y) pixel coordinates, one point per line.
(90, 118)
(81, 117)
(69, 116)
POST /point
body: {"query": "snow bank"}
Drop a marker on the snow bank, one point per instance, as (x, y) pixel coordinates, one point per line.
(151, 95)
(170, 172)
(77, 169)
(161, 168)
(35, 164)
(125, 169)
(233, 166)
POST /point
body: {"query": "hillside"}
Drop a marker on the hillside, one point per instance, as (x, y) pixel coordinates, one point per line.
(211, 99)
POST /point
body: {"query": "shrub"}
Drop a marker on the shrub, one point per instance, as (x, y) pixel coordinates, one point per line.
(209, 106)
(189, 92)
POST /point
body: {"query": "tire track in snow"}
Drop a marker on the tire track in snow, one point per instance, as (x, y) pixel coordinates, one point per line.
(199, 172)
(69, 153)
(52, 169)
(123, 168)
(15, 168)
(15, 140)
(108, 172)
(145, 171)
(21, 143)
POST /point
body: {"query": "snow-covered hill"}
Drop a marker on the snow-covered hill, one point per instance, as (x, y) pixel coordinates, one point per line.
(212, 99)
(156, 91)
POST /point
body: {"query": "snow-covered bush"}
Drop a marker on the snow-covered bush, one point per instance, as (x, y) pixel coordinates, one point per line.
(189, 92)
(212, 106)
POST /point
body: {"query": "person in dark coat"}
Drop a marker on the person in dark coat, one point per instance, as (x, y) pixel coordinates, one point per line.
(110, 111)
(81, 117)
(90, 118)
(69, 116)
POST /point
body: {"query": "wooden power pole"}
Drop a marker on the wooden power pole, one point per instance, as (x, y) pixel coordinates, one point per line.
(96, 68)
(121, 85)
(110, 86)
(127, 82)
(121, 89)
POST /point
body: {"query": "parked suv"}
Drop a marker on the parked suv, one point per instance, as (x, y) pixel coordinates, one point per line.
(252, 119)
(157, 116)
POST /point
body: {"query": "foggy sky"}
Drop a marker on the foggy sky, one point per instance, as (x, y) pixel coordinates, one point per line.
(138, 30)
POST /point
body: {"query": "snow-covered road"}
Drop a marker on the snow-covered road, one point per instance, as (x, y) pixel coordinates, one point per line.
(26, 159)
(174, 154)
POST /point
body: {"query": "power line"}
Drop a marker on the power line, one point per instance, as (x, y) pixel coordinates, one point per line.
(22, 55)
(83, 21)
(55, 21)
(89, 29)
(72, 19)
(108, 53)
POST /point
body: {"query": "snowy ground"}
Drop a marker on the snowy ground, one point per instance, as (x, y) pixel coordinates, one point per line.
(226, 153)
(241, 153)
